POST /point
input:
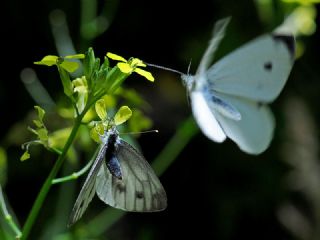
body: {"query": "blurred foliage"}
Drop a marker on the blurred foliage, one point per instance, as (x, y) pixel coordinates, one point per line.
(214, 190)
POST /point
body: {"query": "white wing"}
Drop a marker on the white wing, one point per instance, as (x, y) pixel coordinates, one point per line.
(88, 189)
(205, 117)
(217, 36)
(254, 131)
(258, 70)
(139, 190)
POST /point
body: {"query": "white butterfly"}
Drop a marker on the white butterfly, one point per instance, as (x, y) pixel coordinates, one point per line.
(229, 98)
(122, 178)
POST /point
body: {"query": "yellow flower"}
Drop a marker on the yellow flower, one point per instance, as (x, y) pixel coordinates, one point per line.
(69, 66)
(132, 65)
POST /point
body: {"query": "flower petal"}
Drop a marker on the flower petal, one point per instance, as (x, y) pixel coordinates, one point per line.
(125, 68)
(69, 66)
(100, 108)
(145, 74)
(115, 57)
(75, 56)
(123, 114)
(48, 60)
(136, 62)
(80, 83)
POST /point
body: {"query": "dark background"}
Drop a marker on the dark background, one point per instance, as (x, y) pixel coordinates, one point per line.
(215, 191)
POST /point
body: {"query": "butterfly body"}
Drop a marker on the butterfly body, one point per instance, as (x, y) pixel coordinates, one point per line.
(111, 143)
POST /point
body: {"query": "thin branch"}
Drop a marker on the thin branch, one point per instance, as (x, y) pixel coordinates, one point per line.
(8, 216)
(48, 183)
(75, 175)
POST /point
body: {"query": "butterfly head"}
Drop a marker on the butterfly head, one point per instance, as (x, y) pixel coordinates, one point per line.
(111, 131)
(188, 81)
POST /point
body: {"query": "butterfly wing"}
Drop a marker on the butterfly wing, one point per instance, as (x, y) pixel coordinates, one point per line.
(257, 71)
(217, 36)
(88, 189)
(253, 132)
(139, 190)
(205, 118)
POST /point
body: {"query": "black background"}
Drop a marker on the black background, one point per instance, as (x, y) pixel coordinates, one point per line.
(214, 190)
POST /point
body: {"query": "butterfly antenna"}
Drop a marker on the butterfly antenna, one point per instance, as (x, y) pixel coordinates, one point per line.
(149, 131)
(189, 66)
(187, 92)
(163, 68)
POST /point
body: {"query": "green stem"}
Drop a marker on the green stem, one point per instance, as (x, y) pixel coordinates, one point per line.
(75, 175)
(8, 217)
(48, 183)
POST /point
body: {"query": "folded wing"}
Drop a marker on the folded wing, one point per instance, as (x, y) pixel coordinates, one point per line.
(139, 190)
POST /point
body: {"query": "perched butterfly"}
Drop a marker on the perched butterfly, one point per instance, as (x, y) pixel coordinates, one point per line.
(122, 178)
(229, 99)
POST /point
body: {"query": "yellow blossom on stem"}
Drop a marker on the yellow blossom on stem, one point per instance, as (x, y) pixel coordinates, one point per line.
(69, 66)
(131, 65)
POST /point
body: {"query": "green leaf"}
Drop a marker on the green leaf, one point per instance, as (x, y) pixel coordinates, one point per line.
(96, 65)
(66, 82)
(95, 75)
(114, 79)
(88, 65)
(100, 108)
(25, 156)
(105, 64)
(38, 123)
(42, 134)
(41, 112)
(100, 80)
(123, 114)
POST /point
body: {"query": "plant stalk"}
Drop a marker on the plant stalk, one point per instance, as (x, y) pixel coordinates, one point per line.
(48, 183)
